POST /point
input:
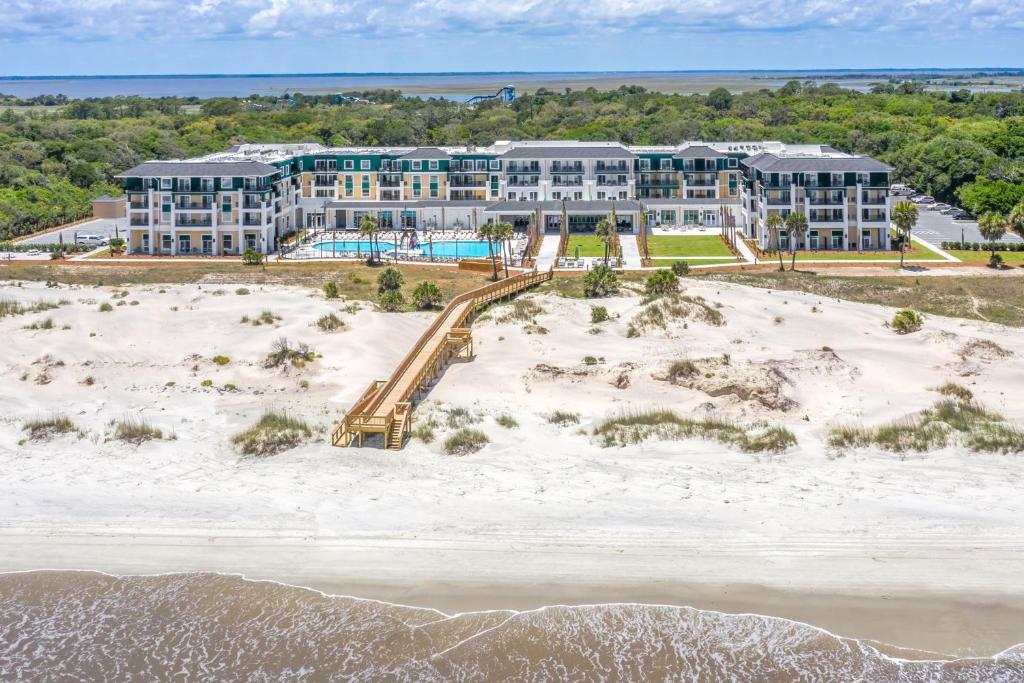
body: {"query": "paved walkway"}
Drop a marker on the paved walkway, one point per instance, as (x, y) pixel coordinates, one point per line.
(745, 251)
(630, 251)
(548, 252)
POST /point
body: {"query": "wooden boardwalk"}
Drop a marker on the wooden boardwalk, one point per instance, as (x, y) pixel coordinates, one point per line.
(386, 405)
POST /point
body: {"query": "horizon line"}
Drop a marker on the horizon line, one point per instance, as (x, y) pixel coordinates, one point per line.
(866, 70)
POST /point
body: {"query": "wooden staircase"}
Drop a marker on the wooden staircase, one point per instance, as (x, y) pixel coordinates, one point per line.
(385, 407)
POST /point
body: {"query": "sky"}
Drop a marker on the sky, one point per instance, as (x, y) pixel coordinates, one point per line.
(105, 37)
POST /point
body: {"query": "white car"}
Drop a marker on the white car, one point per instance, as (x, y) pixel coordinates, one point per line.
(94, 240)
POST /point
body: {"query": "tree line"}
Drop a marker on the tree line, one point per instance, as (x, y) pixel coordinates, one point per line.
(57, 153)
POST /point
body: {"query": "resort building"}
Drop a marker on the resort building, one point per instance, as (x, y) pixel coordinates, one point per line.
(254, 195)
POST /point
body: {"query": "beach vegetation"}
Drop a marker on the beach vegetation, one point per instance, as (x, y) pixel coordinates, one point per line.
(136, 430)
(283, 353)
(251, 257)
(600, 281)
(391, 301)
(273, 433)
(426, 295)
(954, 390)
(242, 291)
(660, 283)
(330, 323)
(507, 421)
(563, 418)
(598, 314)
(45, 428)
(523, 310)
(906, 321)
(390, 280)
(331, 289)
(465, 441)
(680, 268)
(106, 307)
(635, 427)
(221, 360)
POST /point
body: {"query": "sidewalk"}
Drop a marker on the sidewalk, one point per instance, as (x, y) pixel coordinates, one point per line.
(630, 251)
(548, 252)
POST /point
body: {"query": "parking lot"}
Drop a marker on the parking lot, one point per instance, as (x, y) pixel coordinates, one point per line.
(105, 227)
(933, 227)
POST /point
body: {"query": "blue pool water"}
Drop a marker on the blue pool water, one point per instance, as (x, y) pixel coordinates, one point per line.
(446, 249)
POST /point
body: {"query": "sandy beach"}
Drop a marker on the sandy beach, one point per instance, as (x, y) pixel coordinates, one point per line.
(919, 551)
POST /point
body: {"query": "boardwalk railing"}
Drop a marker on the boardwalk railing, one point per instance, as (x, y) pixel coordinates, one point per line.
(385, 406)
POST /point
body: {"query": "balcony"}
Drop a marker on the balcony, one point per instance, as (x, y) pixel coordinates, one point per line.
(834, 200)
(878, 199)
(192, 206)
(701, 182)
(601, 167)
(325, 181)
(874, 216)
(139, 222)
(561, 167)
(567, 182)
(143, 204)
(825, 217)
(322, 167)
(522, 182)
(251, 186)
(467, 181)
(513, 167)
(251, 222)
(248, 203)
(186, 222)
(779, 199)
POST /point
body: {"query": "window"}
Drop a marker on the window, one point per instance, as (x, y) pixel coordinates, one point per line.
(733, 163)
(364, 164)
(666, 164)
(495, 165)
(417, 186)
(348, 186)
(511, 195)
(226, 183)
(433, 165)
(417, 165)
(165, 183)
(645, 164)
(533, 196)
(556, 195)
(165, 242)
(349, 165)
(229, 241)
(600, 195)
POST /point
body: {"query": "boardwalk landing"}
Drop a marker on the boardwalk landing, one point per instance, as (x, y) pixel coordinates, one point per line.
(386, 406)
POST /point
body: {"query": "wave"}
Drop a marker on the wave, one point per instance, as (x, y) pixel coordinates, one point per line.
(61, 626)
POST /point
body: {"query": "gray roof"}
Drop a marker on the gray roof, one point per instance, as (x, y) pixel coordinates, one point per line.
(588, 152)
(167, 169)
(699, 152)
(771, 163)
(426, 153)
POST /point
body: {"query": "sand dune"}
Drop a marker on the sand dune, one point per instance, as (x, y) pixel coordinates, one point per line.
(543, 508)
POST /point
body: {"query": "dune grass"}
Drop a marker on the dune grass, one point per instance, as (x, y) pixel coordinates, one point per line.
(273, 433)
(465, 441)
(949, 422)
(136, 430)
(44, 428)
(631, 428)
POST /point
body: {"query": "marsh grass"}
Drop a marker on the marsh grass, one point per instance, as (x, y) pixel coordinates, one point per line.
(46, 428)
(633, 428)
(465, 441)
(948, 422)
(273, 433)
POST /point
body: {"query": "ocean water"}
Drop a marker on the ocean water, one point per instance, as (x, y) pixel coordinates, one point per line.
(85, 626)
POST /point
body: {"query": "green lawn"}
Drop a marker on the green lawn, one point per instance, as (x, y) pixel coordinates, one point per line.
(677, 245)
(970, 255)
(667, 262)
(589, 246)
(918, 253)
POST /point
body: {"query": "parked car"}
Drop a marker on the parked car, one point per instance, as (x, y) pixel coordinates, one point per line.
(950, 211)
(926, 199)
(90, 239)
(961, 215)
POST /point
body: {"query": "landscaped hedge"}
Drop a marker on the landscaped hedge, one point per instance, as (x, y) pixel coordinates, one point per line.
(69, 247)
(984, 246)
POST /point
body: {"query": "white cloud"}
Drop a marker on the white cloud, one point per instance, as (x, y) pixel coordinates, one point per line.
(213, 19)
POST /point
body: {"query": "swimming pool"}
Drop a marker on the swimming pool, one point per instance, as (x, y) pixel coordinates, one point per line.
(445, 249)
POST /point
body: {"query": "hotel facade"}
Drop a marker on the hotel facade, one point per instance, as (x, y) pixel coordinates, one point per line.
(254, 195)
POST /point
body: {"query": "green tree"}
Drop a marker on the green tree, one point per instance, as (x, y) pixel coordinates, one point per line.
(369, 227)
(389, 280)
(605, 231)
(904, 217)
(600, 281)
(487, 231)
(1016, 219)
(992, 225)
(503, 233)
(720, 99)
(426, 295)
(661, 282)
(796, 226)
(774, 224)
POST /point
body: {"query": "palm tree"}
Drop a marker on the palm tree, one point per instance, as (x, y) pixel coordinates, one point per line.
(904, 215)
(774, 224)
(992, 225)
(487, 232)
(796, 225)
(370, 228)
(504, 232)
(605, 231)
(1016, 220)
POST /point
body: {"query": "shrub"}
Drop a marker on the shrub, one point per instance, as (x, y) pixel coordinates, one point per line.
(907, 321)
(682, 369)
(331, 290)
(389, 280)
(506, 421)
(995, 261)
(267, 317)
(230, 387)
(589, 360)
(681, 268)
(251, 257)
(426, 295)
(330, 323)
(135, 430)
(465, 441)
(598, 314)
(424, 431)
(273, 433)
(392, 300)
(242, 291)
(117, 245)
(562, 418)
(221, 360)
(45, 428)
(106, 308)
(661, 282)
(282, 353)
(600, 281)
(206, 383)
